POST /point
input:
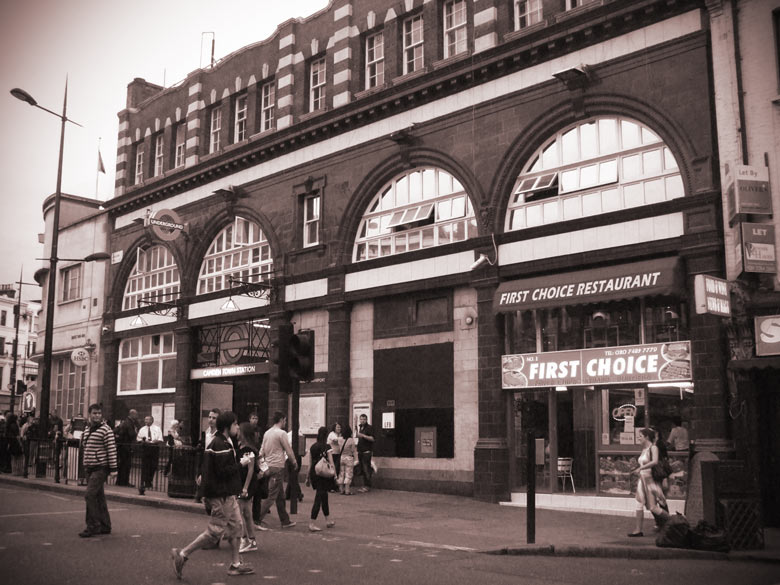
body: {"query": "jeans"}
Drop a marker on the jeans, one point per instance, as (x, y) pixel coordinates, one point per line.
(320, 499)
(98, 519)
(275, 494)
(365, 464)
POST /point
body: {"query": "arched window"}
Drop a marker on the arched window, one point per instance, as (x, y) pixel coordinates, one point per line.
(154, 278)
(241, 250)
(422, 208)
(601, 165)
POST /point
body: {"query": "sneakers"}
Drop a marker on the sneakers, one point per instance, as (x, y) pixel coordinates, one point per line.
(288, 525)
(178, 562)
(87, 533)
(248, 545)
(262, 527)
(240, 569)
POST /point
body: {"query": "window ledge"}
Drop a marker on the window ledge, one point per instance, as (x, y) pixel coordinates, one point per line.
(528, 30)
(69, 301)
(320, 249)
(450, 60)
(314, 114)
(409, 76)
(573, 12)
(370, 91)
(262, 134)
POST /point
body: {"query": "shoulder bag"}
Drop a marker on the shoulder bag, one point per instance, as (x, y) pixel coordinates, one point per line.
(324, 468)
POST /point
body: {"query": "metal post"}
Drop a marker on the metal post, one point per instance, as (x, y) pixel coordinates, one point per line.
(530, 502)
(16, 345)
(294, 414)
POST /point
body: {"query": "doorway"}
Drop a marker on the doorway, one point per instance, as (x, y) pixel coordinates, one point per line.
(250, 394)
(768, 382)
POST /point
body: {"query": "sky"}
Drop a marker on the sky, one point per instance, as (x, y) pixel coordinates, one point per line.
(99, 47)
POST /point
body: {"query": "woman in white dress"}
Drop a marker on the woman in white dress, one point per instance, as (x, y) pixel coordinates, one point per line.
(649, 494)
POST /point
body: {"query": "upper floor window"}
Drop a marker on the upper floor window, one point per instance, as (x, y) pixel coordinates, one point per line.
(154, 278)
(215, 129)
(598, 166)
(311, 220)
(71, 283)
(239, 130)
(527, 13)
(3, 318)
(455, 30)
(419, 209)
(575, 3)
(181, 145)
(240, 250)
(413, 44)
(139, 163)
(375, 60)
(317, 85)
(268, 103)
(158, 155)
(147, 364)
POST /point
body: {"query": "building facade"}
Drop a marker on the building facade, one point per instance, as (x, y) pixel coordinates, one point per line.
(465, 201)
(26, 374)
(746, 57)
(78, 309)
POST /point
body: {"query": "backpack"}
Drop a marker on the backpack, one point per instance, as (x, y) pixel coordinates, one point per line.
(676, 533)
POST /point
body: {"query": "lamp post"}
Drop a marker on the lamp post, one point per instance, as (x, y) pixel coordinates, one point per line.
(51, 290)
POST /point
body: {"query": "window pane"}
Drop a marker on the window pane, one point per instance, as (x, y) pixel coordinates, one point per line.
(570, 180)
(629, 133)
(128, 376)
(570, 147)
(400, 244)
(550, 156)
(169, 374)
(654, 191)
(572, 208)
(589, 176)
(608, 172)
(518, 219)
(429, 185)
(610, 200)
(589, 146)
(651, 162)
(591, 204)
(669, 161)
(632, 167)
(149, 375)
(533, 215)
(608, 141)
(401, 191)
(674, 187)
(633, 195)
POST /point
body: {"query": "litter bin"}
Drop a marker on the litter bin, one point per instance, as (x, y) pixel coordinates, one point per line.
(183, 466)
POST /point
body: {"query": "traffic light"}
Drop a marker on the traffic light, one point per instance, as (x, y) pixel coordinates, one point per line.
(280, 357)
(21, 387)
(301, 358)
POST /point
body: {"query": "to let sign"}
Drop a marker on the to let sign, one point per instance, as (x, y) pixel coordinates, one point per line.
(748, 190)
(712, 295)
(755, 248)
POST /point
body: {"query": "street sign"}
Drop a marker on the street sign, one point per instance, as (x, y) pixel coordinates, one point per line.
(767, 335)
(28, 402)
(712, 295)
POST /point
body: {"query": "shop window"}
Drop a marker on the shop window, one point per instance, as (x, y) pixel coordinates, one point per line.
(241, 251)
(154, 278)
(69, 388)
(597, 166)
(665, 321)
(417, 385)
(412, 314)
(419, 209)
(147, 364)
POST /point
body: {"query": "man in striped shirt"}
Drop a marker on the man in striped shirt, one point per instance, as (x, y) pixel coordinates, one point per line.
(99, 449)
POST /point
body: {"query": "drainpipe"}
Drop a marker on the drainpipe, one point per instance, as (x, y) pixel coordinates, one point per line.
(738, 67)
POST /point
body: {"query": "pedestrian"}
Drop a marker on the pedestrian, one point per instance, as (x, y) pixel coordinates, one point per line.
(262, 486)
(247, 448)
(150, 437)
(678, 436)
(205, 440)
(348, 456)
(336, 442)
(274, 449)
(365, 450)
(172, 440)
(321, 485)
(126, 435)
(99, 448)
(649, 494)
(55, 425)
(221, 479)
(13, 439)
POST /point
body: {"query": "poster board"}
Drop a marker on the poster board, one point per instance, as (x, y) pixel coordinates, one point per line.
(359, 408)
(311, 413)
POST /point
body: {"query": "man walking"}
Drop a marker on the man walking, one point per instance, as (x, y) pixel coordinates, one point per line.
(125, 437)
(221, 480)
(150, 436)
(99, 448)
(275, 446)
(365, 451)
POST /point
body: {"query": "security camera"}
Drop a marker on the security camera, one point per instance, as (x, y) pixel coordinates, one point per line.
(478, 262)
(106, 329)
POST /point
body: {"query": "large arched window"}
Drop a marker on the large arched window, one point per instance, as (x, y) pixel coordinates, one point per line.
(241, 250)
(422, 208)
(154, 278)
(601, 165)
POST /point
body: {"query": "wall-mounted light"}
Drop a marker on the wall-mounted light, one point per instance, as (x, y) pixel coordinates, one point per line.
(138, 321)
(483, 258)
(576, 77)
(229, 305)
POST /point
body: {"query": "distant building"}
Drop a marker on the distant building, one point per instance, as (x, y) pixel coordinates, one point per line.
(26, 369)
(490, 213)
(79, 306)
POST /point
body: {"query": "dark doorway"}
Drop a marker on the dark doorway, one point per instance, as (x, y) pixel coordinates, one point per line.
(768, 387)
(250, 394)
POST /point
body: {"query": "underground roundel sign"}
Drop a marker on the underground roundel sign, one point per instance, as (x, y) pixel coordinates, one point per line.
(166, 224)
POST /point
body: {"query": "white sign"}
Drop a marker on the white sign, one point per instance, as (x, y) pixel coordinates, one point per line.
(116, 257)
(388, 420)
(80, 356)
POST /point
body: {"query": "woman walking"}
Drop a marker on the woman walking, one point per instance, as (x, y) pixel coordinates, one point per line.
(336, 443)
(321, 485)
(649, 494)
(247, 450)
(349, 456)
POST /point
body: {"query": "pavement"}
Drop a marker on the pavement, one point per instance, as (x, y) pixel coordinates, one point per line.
(455, 523)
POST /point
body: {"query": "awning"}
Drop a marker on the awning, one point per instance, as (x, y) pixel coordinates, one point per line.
(623, 281)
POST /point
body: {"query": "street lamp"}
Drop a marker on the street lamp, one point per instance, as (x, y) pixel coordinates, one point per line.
(22, 95)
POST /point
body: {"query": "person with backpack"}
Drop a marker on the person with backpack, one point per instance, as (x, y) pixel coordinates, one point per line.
(649, 494)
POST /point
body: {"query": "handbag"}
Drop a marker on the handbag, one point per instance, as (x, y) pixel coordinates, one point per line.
(324, 468)
(661, 470)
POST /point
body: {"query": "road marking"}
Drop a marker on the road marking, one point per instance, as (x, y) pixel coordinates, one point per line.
(396, 561)
(46, 544)
(135, 536)
(50, 514)
(56, 497)
(356, 566)
(315, 570)
(17, 533)
(270, 577)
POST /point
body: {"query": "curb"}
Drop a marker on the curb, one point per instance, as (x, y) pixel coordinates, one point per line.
(615, 552)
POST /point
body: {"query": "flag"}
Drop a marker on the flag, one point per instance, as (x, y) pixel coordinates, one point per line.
(100, 167)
